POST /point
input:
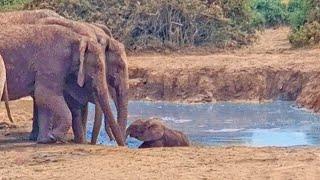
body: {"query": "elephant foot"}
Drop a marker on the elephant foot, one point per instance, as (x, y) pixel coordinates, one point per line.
(33, 137)
(52, 139)
(80, 141)
(47, 140)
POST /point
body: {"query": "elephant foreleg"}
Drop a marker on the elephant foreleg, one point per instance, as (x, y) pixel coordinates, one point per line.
(96, 124)
(77, 110)
(85, 119)
(35, 126)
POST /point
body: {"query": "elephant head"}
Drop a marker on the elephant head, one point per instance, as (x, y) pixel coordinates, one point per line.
(117, 72)
(150, 130)
(116, 59)
(93, 68)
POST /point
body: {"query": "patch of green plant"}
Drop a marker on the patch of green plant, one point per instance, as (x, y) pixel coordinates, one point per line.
(298, 12)
(270, 12)
(306, 23)
(12, 4)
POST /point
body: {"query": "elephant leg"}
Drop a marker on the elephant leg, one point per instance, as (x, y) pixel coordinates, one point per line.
(108, 130)
(44, 125)
(96, 124)
(85, 119)
(77, 128)
(77, 114)
(50, 104)
(35, 126)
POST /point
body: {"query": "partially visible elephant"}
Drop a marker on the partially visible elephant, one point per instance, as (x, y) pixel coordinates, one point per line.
(154, 133)
(26, 17)
(39, 58)
(117, 76)
(3, 88)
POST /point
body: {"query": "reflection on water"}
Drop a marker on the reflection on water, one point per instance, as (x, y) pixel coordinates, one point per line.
(272, 124)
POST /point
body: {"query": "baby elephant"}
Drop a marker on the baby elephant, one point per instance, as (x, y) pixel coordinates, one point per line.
(156, 134)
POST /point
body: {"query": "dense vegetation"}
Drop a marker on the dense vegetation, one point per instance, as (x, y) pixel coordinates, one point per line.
(12, 4)
(305, 22)
(270, 12)
(160, 24)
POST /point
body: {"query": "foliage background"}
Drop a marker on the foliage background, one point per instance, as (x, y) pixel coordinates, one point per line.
(172, 24)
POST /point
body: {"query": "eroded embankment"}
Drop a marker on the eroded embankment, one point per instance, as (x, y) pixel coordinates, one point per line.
(240, 76)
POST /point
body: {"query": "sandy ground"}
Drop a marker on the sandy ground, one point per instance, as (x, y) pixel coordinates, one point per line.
(21, 159)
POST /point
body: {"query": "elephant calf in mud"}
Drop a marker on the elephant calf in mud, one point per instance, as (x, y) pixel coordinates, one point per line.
(153, 133)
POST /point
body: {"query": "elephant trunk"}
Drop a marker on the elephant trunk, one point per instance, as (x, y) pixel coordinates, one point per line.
(101, 89)
(122, 107)
(105, 106)
(128, 132)
(123, 99)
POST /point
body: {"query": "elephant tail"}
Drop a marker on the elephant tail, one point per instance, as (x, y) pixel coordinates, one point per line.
(6, 99)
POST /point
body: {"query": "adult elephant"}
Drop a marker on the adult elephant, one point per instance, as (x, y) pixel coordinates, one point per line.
(117, 74)
(117, 77)
(38, 60)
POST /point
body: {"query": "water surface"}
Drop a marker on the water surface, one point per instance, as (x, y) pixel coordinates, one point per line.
(273, 124)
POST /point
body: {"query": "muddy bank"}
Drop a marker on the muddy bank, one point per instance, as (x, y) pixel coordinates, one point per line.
(221, 78)
(268, 70)
(220, 84)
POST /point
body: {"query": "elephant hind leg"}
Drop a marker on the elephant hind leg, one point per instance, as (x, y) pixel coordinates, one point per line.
(52, 104)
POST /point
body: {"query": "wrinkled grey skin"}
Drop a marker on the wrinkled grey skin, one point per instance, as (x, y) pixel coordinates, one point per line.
(26, 47)
(115, 58)
(153, 133)
(3, 88)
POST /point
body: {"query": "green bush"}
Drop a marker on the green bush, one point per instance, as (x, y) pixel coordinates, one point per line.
(270, 12)
(305, 23)
(158, 24)
(298, 12)
(12, 4)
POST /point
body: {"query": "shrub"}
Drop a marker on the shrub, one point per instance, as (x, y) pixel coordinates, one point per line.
(159, 24)
(271, 12)
(12, 4)
(306, 24)
(298, 12)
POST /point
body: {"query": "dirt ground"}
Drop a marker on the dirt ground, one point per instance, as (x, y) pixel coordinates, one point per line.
(267, 70)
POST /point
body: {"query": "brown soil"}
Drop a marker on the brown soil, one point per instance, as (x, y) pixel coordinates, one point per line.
(267, 70)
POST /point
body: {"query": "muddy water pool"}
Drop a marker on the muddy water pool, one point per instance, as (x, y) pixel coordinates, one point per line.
(278, 123)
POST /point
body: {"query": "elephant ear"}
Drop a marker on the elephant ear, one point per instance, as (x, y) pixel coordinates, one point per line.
(82, 50)
(154, 130)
